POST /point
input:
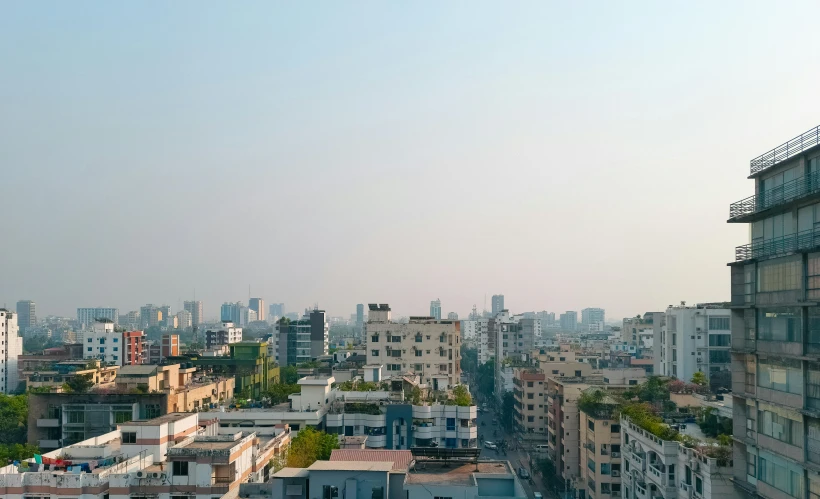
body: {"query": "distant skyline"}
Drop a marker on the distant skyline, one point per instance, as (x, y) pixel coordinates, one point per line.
(569, 155)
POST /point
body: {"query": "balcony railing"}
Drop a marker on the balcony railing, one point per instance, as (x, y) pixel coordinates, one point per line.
(785, 151)
(794, 189)
(804, 240)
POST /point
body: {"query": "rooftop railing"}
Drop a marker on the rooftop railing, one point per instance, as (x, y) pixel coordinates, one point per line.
(803, 240)
(794, 189)
(787, 150)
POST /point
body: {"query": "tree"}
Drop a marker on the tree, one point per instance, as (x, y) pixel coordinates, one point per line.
(462, 396)
(13, 419)
(507, 409)
(279, 392)
(699, 378)
(289, 375)
(309, 446)
(485, 378)
(469, 360)
(17, 452)
(79, 384)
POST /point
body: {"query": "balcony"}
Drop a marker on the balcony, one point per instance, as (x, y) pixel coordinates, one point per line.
(785, 151)
(783, 245)
(777, 196)
(48, 423)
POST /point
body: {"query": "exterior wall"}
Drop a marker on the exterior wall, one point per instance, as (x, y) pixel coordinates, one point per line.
(195, 308)
(134, 343)
(530, 403)
(103, 343)
(86, 317)
(684, 347)
(600, 463)
(423, 347)
(10, 350)
(170, 345)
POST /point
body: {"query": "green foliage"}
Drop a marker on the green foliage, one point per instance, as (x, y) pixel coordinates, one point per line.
(699, 378)
(485, 378)
(309, 446)
(713, 426)
(462, 396)
(414, 396)
(16, 452)
(592, 402)
(79, 384)
(643, 415)
(13, 419)
(362, 408)
(36, 344)
(469, 360)
(310, 365)
(655, 389)
(363, 386)
(507, 409)
(289, 375)
(279, 393)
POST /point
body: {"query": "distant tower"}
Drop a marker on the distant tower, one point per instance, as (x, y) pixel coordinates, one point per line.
(26, 315)
(195, 308)
(435, 309)
(498, 304)
(258, 306)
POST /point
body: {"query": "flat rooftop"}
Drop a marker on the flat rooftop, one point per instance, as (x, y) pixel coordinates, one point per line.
(351, 466)
(218, 445)
(168, 418)
(454, 473)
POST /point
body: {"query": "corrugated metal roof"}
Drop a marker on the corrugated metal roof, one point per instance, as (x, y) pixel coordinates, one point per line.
(400, 458)
(350, 466)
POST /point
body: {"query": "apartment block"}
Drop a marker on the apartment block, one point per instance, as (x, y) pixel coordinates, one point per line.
(775, 286)
(423, 346)
(86, 317)
(529, 386)
(299, 341)
(195, 309)
(11, 348)
(600, 458)
(692, 339)
(169, 346)
(633, 328)
(226, 334)
(26, 315)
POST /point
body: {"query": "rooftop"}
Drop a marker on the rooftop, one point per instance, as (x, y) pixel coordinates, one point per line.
(292, 473)
(351, 466)
(168, 418)
(399, 458)
(454, 474)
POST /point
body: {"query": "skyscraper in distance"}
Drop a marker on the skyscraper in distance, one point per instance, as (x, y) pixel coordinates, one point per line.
(435, 309)
(360, 314)
(195, 308)
(276, 310)
(26, 315)
(12, 349)
(258, 306)
(498, 303)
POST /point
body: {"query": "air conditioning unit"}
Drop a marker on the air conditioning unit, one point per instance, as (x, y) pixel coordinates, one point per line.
(154, 475)
(413, 428)
(686, 486)
(616, 473)
(141, 474)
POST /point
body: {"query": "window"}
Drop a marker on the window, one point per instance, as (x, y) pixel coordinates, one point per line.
(674, 339)
(180, 468)
(780, 424)
(605, 468)
(719, 357)
(780, 474)
(374, 338)
(76, 417)
(779, 324)
(698, 485)
(633, 382)
(751, 465)
(720, 340)
(418, 353)
(90, 349)
(116, 349)
(779, 275)
(615, 428)
(122, 416)
(530, 419)
(418, 338)
(395, 339)
(129, 437)
(529, 396)
(116, 340)
(374, 353)
(783, 375)
(377, 493)
(719, 323)
(529, 384)
(451, 424)
(591, 465)
(578, 374)
(90, 340)
(591, 424)
(530, 407)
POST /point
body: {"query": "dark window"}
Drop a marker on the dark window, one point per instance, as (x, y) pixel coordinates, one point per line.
(129, 437)
(180, 468)
(374, 338)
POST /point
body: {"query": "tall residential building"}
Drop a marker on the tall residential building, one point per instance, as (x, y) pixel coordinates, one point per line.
(601, 463)
(276, 310)
(226, 334)
(776, 325)
(478, 330)
(435, 309)
(692, 339)
(86, 317)
(633, 327)
(195, 308)
(360, 315)
(295, 342)
(151, 315)
(592, 319)
(169, 346)
(133, 348)
(11, 349)
(26, 315)
(113, 347)
(426, 347)
(184, 319)
(497, 303)
(258, 306)
(131, 320)
(569, 321)
(452, 316)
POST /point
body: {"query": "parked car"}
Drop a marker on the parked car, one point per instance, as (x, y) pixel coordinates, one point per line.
(523, 473)
(490, 445)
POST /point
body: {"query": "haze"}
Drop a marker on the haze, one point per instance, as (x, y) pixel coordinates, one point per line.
(564, 154)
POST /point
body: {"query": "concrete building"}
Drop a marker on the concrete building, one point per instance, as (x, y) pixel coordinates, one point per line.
(26, 315)
(691, 339)
(276, 310)
(775, 328)
(590, 317)
(452, 316)
(296, 342)
(59, 373)
(665, 469)
(497, 304)
(11, 347)
(478, 330)
(435, 309)
(232, 312)
(86, 317)
(152, 315)
(184, 319)
(601, 463)
(226, 334)
(113, 347)
(194, 307)
(258, 306)
(569, 321)
(169, 346)
(424, 346)
(131, 320)
(134, 345)
(633, 327)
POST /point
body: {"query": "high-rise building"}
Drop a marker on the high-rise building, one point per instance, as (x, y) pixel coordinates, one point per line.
(169, 346)
(232, 312)
(131, 320)
(195, 308)
(295, 342)
(11, 350)
(26, 315)
(151, 315)
(592, 319)
(435, 309)
(691, 339)
(775, 337)
(258, 306)
(119, 348)
(569, 321)
(497, 303)
(360, 314)
(184, 319)
(452, 316)
(226, 334)
(427, 347)
(276, 310)
(86, 317)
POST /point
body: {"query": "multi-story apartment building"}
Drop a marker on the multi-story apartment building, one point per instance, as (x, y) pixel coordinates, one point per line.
(530, 415)
(593, 319)
(299, 341)
(26, 315)
(195, 308)
(424, 346)
(11, 348)
(600, 438)
(497, 304)
(134, 348)
(131, 320)
(258, 306)
(569, 321)
(226, 334)
(276, 310)
(151, 315)
(665, 469)
(119, 348)
(691, 339)
(478, 329)
(184, 319)
(775, 327)
(169, 346)
(435, 309)
(634, 327)
(86, 317)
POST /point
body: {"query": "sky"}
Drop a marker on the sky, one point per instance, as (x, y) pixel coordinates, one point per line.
(565, 154)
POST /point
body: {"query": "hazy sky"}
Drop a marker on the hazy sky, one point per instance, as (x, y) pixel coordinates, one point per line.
(566, 154)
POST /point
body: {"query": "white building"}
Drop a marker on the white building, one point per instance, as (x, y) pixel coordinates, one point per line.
(691, 339)
(86, 317)
(476, 330)
(184, 319)
(104, 344)
(591, 316)
(225, 334)
(195, 308)
(427, 347)
(11, 347)
(435, 309)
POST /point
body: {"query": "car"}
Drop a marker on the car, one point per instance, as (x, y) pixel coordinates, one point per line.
(523, 473)
(490, 445)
